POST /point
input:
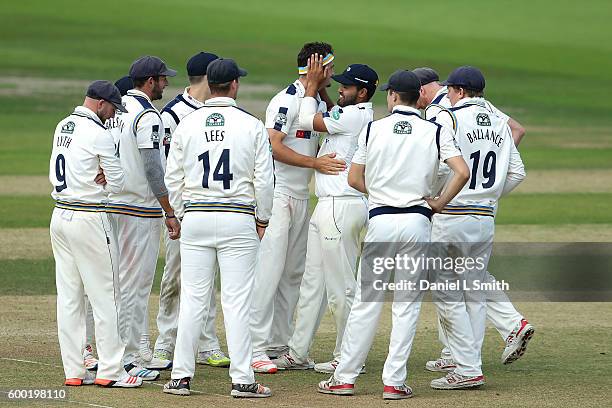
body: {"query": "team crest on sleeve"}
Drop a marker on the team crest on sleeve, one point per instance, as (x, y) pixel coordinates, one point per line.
(215, 119)
(482, 119)
(68, 127)
(280, 119)
(335, 112)
(155, 134)
(402, 128)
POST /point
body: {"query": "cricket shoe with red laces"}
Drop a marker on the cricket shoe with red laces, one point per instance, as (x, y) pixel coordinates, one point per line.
(398, 392)
(263, 365)
(444, 365)
(333, 386)
(454, 381)
(517, 341)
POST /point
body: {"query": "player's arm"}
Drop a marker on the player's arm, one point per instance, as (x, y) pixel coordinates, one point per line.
(356, 176)
(264, 180)
(175, 174)
(147, 139)
(516, 172)
(517, 130)
(451, 155)
(112, 176)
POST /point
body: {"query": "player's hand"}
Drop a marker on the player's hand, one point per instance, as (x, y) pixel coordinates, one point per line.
(435, 204)
(100, 178)
(317, 73)
(174, 228)
(260, 231)
(327, 164)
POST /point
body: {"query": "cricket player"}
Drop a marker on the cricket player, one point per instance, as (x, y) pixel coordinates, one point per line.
(83, 169)
(89, 359)
(340, 214)
(496, 169)
(167, 318)
(220, 174)
(136, 211)
(281, 258)
(396, 163)
(514, 329)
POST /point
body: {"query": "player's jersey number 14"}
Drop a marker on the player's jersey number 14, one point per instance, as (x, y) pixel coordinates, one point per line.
(222, 170)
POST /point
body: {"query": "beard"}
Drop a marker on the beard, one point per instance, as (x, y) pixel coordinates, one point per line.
(347, 100)
(157, 92)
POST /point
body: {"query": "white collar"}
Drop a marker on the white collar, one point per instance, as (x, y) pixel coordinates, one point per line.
(220, 101)
(191, 99)
(88, 112)
(404, 108)
(136, 92)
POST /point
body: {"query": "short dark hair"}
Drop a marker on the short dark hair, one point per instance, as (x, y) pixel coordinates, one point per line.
(220, 88)
(471, 93)
(308, 49)
(196, 79)
(410, 98)
(371, 91)
(139, 82)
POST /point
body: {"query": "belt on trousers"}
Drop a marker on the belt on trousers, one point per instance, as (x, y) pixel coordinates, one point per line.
(483, 210)
(220, 207)
(76, 206)
(415, 209)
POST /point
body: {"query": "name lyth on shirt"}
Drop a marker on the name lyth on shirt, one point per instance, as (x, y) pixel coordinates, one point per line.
(479, 134)
(64, 141)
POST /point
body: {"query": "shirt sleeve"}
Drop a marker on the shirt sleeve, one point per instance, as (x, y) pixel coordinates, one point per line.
(361, 154)
(281, 113)
(516, 169)
(341, 121)
(104, 148)
(264, 176)
(175, 174)
(443, 117)
(496, 111)
(147, 130)
(447, 146)
(169, 122)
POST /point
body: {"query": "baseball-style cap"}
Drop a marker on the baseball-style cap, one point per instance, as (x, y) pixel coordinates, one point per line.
(223, 70)
(106, 91)
(197, 65)
(466, 77)
(426, 75)
(358, 74)
(149, 66)
(124, 84)
(402, 81)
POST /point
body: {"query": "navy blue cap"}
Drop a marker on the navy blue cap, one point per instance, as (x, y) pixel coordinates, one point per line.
(402, 81)
(358, 74)
(197, 65)
(426, 75)
(106, 91)
(223, 70)
(124, 84)
(149, 66)
(466, 77)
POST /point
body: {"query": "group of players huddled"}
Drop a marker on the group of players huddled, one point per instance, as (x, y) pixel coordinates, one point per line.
(234, 193)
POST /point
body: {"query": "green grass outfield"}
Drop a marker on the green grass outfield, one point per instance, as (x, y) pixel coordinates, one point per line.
(548, 64)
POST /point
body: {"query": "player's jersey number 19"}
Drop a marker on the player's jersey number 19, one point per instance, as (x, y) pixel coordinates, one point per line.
(487, 180)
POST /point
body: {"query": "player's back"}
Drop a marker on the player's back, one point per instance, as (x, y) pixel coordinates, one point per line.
(74, 163)
(218, 145)
(486, 144)
(402, 159)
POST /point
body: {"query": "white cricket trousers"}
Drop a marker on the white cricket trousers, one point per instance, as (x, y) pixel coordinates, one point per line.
(331, 263)
(167, 316)
(465, 317)
(138, 250)
(364, 316)
(85, 252)
(229, 240)
(278, 274)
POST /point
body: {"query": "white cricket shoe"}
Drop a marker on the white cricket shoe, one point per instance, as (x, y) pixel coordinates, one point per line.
(214, 358)
(286, 362)
(159, 361)
(441, 365)
(454, 381)
(397, 392)
(128, 381)
(263, 365)
(254, 390)
(89, 379)
(330, 367)
(276, 352)
(333, 386)
(141, 372)
(517, 341)
(177, 387)
(90, 361)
